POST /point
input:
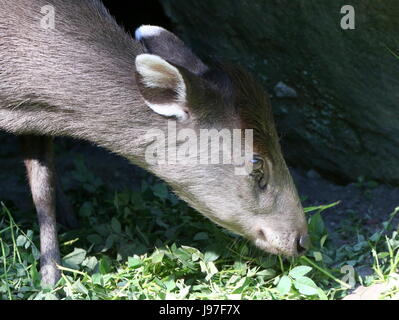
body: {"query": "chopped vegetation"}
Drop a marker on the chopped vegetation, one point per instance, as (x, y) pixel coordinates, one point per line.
(147, 244)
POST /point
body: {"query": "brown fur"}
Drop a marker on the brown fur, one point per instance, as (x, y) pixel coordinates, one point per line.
(38, 155)
(80, 80)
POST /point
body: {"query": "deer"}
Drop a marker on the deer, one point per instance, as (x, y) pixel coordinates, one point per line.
(67, 69)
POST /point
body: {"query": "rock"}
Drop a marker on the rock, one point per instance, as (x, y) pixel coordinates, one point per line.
(376, 291)
(346, 122)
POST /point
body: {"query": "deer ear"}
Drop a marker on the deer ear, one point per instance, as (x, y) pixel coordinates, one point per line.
(157, 40)
(162, 86)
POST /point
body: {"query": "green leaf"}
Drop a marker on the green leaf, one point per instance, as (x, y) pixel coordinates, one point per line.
(21, 240)
(97, 278)
(321, 294)
(201, 236)
(86, 209)
(162, 224)
(50, 296)
(79, 287)
(160, 190)
(90, 263)
(244, 250)
(240, 267)
(157, 257)
(317, 229)
(35, 253)
(115, 225)
(306, 286)
(104, 265)
(109, 242)
(75, 258)
(29, 234)
(95, 239)
(170, 285)
(134, 262)
(284, 285)
(6, 249)
(240, 286)
(323, 240)
(35, 274)
(267, 273)
(316, 225)
(191, 250)
(375, 236)
(210, 256)
(318, 256)
(300, 271)
(27, 244)
(383, 255)
(212, 268)
(195, 253)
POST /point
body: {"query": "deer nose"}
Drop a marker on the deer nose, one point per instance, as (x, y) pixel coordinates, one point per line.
(303, 243)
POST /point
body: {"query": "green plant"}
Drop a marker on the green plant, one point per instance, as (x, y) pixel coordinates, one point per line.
(147, 244)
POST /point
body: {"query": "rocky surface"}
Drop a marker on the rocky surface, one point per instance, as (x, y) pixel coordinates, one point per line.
(340, 115)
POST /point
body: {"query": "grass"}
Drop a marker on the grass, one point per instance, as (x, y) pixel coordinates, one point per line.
(147, 244)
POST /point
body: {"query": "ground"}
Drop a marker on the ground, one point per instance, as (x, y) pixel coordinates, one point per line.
(362, 209)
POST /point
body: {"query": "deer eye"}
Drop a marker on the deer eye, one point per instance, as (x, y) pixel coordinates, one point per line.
(257, 163)
(258, 172)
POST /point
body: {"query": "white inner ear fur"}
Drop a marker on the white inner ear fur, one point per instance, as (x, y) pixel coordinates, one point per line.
(157, 73)
(147, 31)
